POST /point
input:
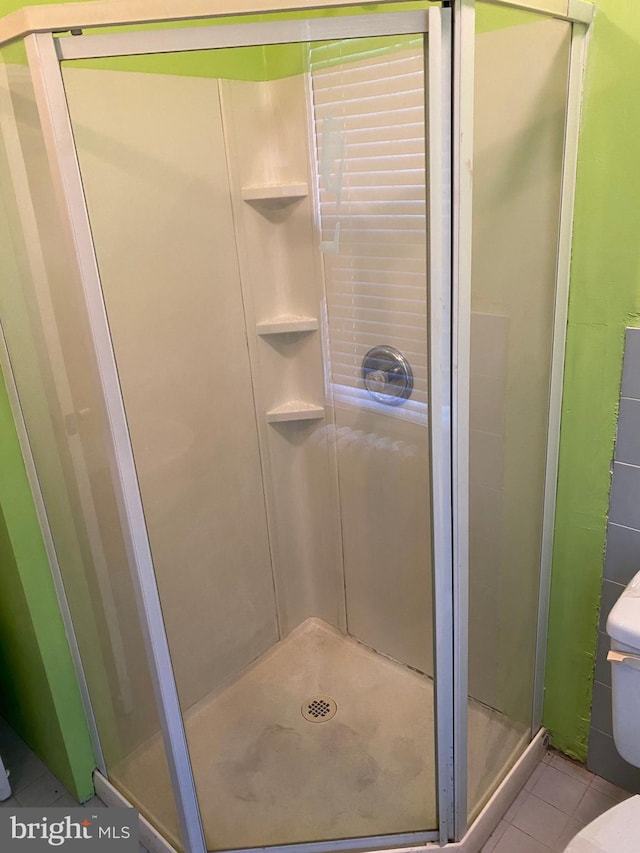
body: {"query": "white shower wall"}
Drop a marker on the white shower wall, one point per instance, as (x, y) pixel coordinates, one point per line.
(153, 163)
(254, 526)
(369, 126)
(268, 150)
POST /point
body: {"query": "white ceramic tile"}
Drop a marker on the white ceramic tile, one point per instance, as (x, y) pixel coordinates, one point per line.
(572, 828)
(540, 820)
(515, 806)
(41, 792)
(495, 836)
(516, 841)
(571, 768)
(559, 789)
(592, 805)
(608, 788)
(531, 781)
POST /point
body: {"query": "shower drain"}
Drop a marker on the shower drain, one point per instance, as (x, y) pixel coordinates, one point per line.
(319, 709)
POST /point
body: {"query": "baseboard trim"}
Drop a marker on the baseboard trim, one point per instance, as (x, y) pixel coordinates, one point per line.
(491, 815)
(149, 835)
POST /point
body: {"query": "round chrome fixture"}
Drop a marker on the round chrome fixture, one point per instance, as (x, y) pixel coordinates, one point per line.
(387, 375)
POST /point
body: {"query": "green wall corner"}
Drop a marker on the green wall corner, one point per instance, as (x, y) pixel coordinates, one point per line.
(604, 299)
(39, 694)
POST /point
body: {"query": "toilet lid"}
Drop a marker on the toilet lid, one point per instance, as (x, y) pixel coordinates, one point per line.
(615, 831)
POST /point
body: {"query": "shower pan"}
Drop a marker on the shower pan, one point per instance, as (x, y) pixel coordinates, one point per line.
(283, 303)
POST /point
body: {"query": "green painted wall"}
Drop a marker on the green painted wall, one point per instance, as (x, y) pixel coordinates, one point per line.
(38, 689)
(605, 297)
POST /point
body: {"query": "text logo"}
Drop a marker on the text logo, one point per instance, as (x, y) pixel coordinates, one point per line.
(74, 830)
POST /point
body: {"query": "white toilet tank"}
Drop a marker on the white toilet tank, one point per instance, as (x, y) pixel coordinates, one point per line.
(623, 626)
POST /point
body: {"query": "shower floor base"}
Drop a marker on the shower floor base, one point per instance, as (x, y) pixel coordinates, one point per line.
(265, 775)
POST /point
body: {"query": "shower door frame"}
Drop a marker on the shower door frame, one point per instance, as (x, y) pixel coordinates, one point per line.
(45, 52)
(579, 14)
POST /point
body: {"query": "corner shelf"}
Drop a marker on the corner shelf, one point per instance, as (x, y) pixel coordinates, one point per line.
(276, 194)
(295, 410)
(287, 324)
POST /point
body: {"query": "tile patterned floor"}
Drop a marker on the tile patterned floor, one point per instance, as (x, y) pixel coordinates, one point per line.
(32, 784)
(560, 798)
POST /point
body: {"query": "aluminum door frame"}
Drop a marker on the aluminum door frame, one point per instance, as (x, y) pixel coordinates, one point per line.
(580, 15)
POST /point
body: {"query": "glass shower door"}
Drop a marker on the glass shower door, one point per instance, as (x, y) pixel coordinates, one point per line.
(519, 142)
(260, 225)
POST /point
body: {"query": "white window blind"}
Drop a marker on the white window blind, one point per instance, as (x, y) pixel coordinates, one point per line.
(369, 127)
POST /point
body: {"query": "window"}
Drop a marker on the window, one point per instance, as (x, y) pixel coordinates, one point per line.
(368, 114)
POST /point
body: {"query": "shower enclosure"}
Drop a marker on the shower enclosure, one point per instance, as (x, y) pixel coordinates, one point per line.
(283, 303)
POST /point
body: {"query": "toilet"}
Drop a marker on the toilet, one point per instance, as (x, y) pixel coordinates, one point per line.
(618, 830)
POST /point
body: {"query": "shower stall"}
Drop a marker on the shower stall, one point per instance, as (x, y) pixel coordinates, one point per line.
(283, 296)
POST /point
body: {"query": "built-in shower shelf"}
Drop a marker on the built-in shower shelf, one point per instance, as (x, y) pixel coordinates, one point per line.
(295, 410)
(287, 325)
(276, 194)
